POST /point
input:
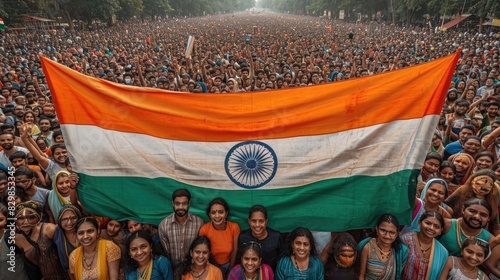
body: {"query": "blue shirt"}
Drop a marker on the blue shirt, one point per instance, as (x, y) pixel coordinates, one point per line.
(162, 270)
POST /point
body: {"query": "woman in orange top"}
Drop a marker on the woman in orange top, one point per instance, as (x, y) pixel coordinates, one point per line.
(222, 233)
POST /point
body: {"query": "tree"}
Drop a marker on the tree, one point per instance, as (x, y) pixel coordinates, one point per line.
(154, 8)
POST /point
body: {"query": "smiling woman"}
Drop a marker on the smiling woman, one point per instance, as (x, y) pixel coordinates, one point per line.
(65, 237)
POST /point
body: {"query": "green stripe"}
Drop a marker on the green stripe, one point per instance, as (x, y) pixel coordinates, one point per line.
(330, 205)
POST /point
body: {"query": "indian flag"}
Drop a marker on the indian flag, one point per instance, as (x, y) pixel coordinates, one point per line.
(328, 157)
(2, 25)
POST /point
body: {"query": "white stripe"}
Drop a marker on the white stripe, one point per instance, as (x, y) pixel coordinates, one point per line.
(373, 151)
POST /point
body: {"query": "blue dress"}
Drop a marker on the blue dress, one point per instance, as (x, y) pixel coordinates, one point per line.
(162, 270)
(287, 270)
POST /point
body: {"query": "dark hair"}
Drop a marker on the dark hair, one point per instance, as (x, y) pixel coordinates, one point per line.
(185, 266)
(252, 245)
(391, 219)
(476, 241)
(7, 125)
(129, 261)
(7, 133)
(478, 201)
(433, 214)
(220, 201)
(469, 127)
(287, 249)
(3, 210)
(90, 220)
(181, 193)
(257, 208)
(434, 155)
(17, 154)
(447, 163)
(484, 154)
(495, 166)
(57, 146)
(56, 133)
(341, 240)
(28, 172)
(472, 137)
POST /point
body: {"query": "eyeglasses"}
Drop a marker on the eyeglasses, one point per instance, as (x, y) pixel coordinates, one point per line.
(32, 219)
(386, 232)
(66, 220)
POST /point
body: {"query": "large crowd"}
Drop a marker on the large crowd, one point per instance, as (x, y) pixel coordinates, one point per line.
(455, 225)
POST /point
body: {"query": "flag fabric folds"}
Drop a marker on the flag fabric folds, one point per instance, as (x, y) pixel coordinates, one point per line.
(328, 157)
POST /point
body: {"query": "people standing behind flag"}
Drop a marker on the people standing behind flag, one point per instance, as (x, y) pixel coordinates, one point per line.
(7, 143)
(144, 259)
(178, 230)
(480, 185)
(447, 172)
(473, 253)
(426, 256)
(62, 193)
(456, 120)
(65, 236)
(223, 234)
(269, 239)
(299, 257)
(483, 160)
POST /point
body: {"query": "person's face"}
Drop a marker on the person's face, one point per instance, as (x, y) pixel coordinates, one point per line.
(447, 174)
(87, 234)
(470, 94)
(435, 193)
(436, 142)
(258, 224)
(49, 110)
(460, 109)
(431, 165)
(492, 111)
(461, 164)
(59, 139)
(60, 155)
(7, 141)
(63, 185)
(18, 162)
(3, 221)
(250, 262)
(464, 133)
(489, 82)
(181, 206)
(3, 186)
(481, 188)
(27, 220)
(134, 226)
(476, 216)
(301, 247)
(430, 227)
(41, 144)
(113, 228)
(472, 146)
(24, 182)
(41, 100)
(386, 233)
(140, 250)
(473, 255)
(200, 254)
(68, 221)
(484, 162)
(19, 111)
(44, 125)
(218, 215)
(29, 118)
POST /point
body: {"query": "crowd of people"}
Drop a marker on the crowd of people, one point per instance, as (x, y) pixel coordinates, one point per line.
(455, 228)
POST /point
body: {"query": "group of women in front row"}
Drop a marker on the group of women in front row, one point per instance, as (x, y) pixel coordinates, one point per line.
(386, 255)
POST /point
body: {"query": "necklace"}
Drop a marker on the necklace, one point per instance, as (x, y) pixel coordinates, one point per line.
(384, 255)
(463, 267)
(424, 251)
(199, 275)
(297, 266)
(461, 232)
(88, 266)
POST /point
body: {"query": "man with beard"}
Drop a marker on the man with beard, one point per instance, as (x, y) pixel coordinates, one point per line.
(7, 143)
(178, 230)
(476, 214)
(491, 114)
(45, 132)
(26, 179)
(458, 118)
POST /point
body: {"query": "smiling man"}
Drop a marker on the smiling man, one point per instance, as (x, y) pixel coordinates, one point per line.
(178, 230)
